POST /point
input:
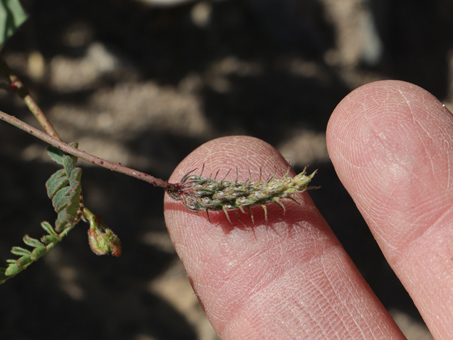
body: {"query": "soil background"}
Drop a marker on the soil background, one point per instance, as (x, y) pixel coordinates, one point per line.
(145, 85)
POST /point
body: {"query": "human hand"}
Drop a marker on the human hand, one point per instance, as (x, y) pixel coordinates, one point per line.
(391, 144)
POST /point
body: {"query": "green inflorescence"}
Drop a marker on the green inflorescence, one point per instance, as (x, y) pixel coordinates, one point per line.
(102, 239)
(206, 194)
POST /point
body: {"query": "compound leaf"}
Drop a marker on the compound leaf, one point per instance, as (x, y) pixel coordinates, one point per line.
(65, 190)
(28, 257)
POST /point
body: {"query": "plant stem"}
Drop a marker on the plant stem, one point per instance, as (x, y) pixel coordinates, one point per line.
(84, 155)
(16, 85)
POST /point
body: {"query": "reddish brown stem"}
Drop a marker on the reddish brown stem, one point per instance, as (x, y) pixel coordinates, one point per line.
(16, 85)
(86, 156)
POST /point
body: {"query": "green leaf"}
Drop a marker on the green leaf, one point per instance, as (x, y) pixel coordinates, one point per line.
(19, 251)
(69, 161)
(55, 176)
(55, 153)
(48, 228)
(32, 242)
(12, 269)
(38, 252)
(68, 216)
(24, 261)
(75, 177)
(12, 16)
(69, 164)
(73, 203)
(63, 221)
(50, 239)
(54, 184)
(60, 200)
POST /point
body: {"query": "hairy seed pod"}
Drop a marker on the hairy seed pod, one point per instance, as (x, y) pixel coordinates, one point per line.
(206, 194)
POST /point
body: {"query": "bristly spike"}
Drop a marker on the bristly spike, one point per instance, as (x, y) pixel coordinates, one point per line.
(226, 214)
(251, 214)
(201, 172)
(216, 174)
(265, 212)
(305, 170)
(224, 177)
(206, 194)
(259, 179)
(207, 213)
(273, 176)
(312, 174)
(280, 204)
(187, 175)
(287, 171)
(292, 199)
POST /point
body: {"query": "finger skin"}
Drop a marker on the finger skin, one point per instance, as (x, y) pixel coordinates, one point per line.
(392, 146)
(287, 278)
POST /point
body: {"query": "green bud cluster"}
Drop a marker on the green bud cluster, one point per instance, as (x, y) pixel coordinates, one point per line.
(102, 240)
(206, 194)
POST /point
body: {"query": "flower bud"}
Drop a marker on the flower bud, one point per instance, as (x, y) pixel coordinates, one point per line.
(104, 241)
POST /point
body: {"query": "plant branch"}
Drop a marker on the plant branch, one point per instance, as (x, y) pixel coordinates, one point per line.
(16, 85)
(84, 155)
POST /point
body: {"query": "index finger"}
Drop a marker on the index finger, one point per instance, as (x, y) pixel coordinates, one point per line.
(284, 278)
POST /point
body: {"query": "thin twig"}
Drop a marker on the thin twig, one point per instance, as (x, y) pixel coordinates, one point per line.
(84, 155)
(16, 85)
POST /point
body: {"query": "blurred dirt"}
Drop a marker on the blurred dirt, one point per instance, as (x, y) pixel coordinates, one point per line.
(144, 86)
